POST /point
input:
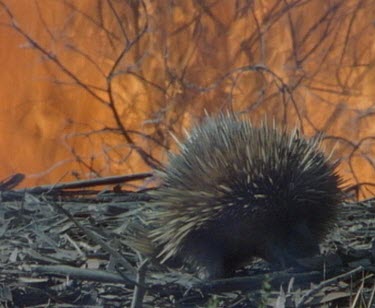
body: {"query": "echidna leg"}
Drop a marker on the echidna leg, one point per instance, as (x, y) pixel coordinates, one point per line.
(299, 242)
(205, 257)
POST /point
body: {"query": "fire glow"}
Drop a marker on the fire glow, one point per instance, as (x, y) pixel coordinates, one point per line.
(95, 88)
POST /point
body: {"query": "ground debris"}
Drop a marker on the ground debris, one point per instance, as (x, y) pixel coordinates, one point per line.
(67, 247)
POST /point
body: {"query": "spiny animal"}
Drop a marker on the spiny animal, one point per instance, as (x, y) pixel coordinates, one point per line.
(235, 191)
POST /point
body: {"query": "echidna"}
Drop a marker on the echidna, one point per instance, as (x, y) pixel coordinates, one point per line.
(236, 191)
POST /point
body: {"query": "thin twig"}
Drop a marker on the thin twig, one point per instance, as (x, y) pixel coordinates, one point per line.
(325, 283)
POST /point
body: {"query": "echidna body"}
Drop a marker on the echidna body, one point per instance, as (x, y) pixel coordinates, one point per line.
(236, 191)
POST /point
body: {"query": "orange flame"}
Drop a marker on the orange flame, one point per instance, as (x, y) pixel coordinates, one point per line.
(95, 88)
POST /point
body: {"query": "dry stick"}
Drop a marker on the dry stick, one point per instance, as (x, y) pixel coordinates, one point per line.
(139, 290)
(255, 282)
(92, 235)
(371, 299)
(326, 283)
(79, 273)
(359, 292)
(87, 183)
(11, 181)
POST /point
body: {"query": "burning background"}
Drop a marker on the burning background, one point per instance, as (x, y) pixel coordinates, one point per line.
(93, 88)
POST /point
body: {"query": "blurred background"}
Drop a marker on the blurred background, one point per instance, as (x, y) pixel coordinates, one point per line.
(96, 87)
